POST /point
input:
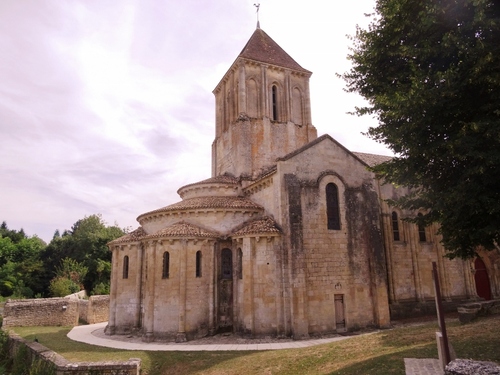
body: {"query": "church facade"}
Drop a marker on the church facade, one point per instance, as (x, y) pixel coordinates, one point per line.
(291, 236)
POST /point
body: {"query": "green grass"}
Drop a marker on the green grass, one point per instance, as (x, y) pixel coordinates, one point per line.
(379, 353)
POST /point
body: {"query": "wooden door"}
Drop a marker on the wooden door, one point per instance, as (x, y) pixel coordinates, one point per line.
(339, 312)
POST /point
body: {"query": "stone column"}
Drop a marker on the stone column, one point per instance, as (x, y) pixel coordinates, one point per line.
(111, 327)
(181, 333)
(138, 286)
(211, 289)
(150, 292)
(242, 92)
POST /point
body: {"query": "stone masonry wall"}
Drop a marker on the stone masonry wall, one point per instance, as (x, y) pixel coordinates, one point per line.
(55, 311)
(41, 312)
(36, 351)
(98, 309)
(83, 309)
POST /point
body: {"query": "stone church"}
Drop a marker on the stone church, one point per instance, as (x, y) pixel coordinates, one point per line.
(291, 236)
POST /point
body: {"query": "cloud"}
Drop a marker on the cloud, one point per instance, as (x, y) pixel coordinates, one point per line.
(106, 106)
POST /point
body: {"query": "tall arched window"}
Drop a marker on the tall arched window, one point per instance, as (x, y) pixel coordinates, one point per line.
(332, 206)
(125, 267)
(395, 226)
(240, 264)
(166, 265)
(227, 264)
(421, 231)
(198, 263)
(274, 97)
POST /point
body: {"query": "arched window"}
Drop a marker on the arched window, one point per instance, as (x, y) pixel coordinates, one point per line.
(240, 264)
(227, 264)
(421, 231)
(198, 263)
(395, 226)
(166, 265)
(125, 267)
(332, 206)
(274, 97)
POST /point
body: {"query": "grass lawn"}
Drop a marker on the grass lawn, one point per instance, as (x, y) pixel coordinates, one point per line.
(379, 353)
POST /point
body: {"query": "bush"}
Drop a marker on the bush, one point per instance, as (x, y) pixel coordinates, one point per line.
(62, 286)
(100, 289)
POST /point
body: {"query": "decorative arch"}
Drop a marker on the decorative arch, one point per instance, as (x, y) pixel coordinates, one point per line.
(252, 96)
(297, 106)
(331, 189)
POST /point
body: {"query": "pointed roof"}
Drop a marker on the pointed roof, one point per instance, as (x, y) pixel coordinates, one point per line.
(261, 47)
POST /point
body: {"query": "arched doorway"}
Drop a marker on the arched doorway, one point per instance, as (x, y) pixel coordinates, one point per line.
(482, 280)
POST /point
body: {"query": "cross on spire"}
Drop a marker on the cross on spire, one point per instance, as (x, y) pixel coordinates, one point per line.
(257, 5)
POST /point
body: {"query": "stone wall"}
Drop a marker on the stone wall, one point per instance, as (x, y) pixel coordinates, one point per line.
(97, 310)
(83, 308)
(55, 311)
(470, 311)
(36, 351)
(41, 312)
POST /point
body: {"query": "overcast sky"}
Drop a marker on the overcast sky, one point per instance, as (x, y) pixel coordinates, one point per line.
(106, 106)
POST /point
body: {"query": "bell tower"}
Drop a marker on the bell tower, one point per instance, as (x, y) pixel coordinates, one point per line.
(263, 110)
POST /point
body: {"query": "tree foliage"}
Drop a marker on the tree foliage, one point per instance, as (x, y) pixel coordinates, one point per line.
(430, 72)
(21, 267)
(78, 259)
(85, 245)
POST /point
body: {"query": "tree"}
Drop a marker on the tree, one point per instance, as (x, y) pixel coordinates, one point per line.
(86, 244)
(430, 72)
(20, 265)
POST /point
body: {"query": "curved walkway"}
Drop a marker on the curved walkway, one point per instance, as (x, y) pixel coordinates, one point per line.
(93, 334)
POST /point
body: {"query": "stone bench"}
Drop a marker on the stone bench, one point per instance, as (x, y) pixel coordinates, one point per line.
(470, 311)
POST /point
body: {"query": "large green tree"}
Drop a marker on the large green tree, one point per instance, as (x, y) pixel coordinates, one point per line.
(21, 267)
(430, 72)
(85, 243)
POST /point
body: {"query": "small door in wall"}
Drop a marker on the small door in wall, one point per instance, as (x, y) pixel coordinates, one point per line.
(339, 312)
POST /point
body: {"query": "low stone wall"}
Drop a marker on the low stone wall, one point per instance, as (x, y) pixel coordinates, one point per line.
(41, 312)
(36, 351)
(98, 309)
(469, 367)
(412, 309)
(470, 311)
(83, 309)
(65, 311)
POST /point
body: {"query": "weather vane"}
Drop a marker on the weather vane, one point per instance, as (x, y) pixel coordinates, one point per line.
(258, 7)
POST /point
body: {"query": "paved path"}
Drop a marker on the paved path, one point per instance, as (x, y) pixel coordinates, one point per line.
(94, 334)
(422, 366)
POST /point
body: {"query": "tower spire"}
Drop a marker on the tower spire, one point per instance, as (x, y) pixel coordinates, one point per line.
(257, 5)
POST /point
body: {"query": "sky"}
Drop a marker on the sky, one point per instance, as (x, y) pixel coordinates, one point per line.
(106, 106)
